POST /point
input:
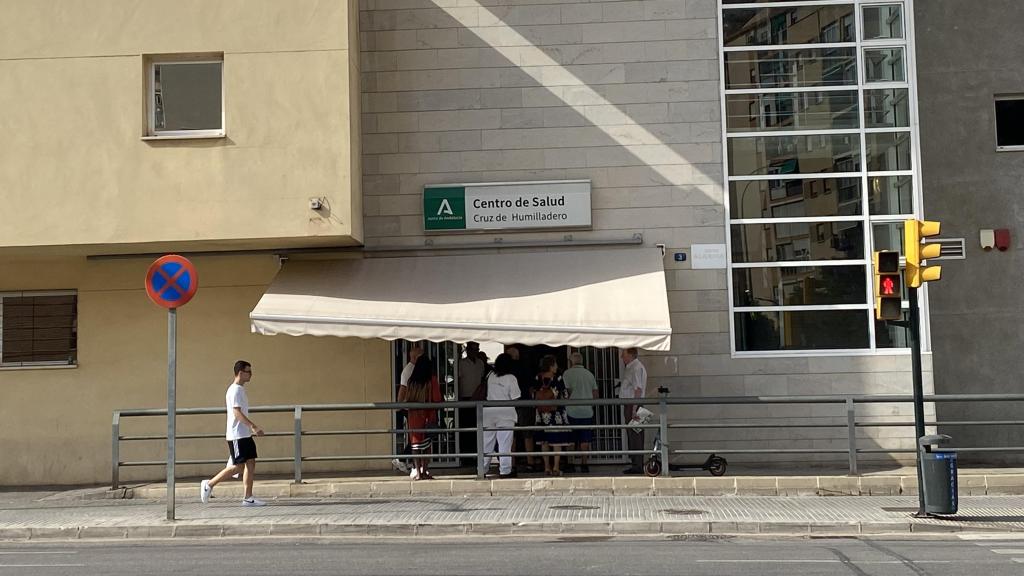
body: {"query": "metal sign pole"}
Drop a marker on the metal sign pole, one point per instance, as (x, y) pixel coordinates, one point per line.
(915, 337)
(172, 333)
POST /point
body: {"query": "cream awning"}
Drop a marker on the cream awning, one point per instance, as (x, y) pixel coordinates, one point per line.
(603, 298)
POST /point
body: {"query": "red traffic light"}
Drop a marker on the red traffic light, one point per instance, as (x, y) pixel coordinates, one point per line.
(889, 285)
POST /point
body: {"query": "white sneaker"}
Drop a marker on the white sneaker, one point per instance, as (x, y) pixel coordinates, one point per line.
(399, 465)
(250, 501)
(414, 474)
(205, 491)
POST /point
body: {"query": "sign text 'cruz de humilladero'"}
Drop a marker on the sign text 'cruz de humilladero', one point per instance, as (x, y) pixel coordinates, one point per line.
(561, 204)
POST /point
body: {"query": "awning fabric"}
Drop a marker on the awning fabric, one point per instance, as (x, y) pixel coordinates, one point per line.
(602, 298)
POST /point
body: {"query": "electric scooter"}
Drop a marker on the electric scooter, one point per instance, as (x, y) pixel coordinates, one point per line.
(714, 464)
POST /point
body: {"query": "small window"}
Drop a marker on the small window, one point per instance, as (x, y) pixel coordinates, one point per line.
(883, 21)
(186, 98)
(1010, 122)
(38, 329)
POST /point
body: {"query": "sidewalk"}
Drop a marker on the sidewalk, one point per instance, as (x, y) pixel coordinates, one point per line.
(56, 519)
(757, 501)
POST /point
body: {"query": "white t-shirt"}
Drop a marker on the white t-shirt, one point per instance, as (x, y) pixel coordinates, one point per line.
(501, 388)
(237, 398)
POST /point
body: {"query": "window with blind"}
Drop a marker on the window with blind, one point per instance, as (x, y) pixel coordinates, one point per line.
(38, 329)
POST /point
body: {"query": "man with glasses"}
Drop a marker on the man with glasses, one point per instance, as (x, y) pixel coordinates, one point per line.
(241, 446)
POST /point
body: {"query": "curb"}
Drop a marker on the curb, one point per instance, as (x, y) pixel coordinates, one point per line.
(970, 485)
(628, 528)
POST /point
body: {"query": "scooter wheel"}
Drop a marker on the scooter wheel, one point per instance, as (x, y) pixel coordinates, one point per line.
(653, 467)
(717, 466)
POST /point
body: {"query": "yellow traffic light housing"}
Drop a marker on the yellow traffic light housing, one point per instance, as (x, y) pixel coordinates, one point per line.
(913, 232)
(888, 285)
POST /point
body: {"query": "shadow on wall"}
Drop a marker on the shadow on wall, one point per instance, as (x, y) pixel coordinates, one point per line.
(483, 93)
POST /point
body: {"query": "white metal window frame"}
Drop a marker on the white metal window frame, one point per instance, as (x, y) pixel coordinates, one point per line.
(995, 121)
(151, 131)
(906, 43)
(24, 365)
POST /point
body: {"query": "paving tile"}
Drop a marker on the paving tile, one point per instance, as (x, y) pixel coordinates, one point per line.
(880, 485)
(714, 486)
(674, 486)
(757, 486)
(838, 486)
(592, 486)
(635, 485)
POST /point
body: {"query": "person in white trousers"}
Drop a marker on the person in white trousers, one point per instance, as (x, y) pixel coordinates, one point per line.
(501, 385)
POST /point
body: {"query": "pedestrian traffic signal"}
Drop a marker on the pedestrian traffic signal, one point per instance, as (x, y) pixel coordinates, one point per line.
(915, 251)
(888, 285)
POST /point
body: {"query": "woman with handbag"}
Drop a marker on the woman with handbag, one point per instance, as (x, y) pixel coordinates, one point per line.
(423, 387)
(553, 438)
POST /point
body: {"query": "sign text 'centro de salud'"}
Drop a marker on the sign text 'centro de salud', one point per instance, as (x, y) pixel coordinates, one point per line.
(507, 205)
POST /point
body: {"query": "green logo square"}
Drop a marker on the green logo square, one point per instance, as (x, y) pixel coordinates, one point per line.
(444, 208)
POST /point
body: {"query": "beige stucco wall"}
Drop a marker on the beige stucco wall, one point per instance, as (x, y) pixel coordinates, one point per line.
(55, 427)
(75, 171)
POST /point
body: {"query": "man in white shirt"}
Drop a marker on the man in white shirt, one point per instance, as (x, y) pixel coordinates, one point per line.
(241, 447)
(634, 385)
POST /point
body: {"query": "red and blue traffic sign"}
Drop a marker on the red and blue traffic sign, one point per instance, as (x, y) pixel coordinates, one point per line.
(171, 281)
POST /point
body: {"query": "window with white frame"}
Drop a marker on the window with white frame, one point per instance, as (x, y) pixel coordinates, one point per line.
(186, 97)
(1010, 122)
(38, 328)
(821, 164)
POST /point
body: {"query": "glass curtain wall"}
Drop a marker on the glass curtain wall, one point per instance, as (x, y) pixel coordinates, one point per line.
(820, 162)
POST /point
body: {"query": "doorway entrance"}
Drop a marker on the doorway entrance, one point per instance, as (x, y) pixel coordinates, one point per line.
(603, 362)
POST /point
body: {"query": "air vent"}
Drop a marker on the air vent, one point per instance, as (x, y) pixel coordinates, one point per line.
(952, 248)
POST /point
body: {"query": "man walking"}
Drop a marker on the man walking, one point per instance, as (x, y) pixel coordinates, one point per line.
(581, 385)
(634, 385)
(241, 446)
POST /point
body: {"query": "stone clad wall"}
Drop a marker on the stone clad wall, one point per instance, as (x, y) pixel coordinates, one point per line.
(625, 93)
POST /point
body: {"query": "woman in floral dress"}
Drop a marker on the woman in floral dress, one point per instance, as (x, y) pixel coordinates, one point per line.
(553, 438)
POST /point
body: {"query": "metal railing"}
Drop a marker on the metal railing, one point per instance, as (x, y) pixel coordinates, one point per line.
(481, 456)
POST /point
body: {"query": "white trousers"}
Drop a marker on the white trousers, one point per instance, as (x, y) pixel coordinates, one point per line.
(504, 438)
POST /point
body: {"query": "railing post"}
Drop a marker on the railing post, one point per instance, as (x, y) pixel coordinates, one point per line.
(663, 432)
(115, 450)
(851, 433)
(298, 444)
(481, 464)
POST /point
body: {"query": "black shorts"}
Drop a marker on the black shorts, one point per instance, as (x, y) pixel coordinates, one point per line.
(242, 450)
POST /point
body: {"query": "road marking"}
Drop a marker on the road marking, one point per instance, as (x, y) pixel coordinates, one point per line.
(1005, 536)
(42, 566)
(1008, 550)
(817, 561)
(38, 552)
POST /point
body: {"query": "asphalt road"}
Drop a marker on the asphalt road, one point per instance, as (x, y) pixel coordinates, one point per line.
(561, 556)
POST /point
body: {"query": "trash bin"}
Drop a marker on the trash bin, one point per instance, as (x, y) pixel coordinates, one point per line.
(938, 473)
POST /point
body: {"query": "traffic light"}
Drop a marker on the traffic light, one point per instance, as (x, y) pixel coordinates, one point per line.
(888, 285)
(915, 251)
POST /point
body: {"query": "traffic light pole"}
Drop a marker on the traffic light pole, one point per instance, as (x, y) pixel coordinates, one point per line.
(915, 354)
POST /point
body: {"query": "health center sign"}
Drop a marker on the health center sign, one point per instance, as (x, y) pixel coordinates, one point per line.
(507, 206)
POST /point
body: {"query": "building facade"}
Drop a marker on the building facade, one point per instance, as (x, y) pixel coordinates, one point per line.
(768, 150)
(972, 164)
